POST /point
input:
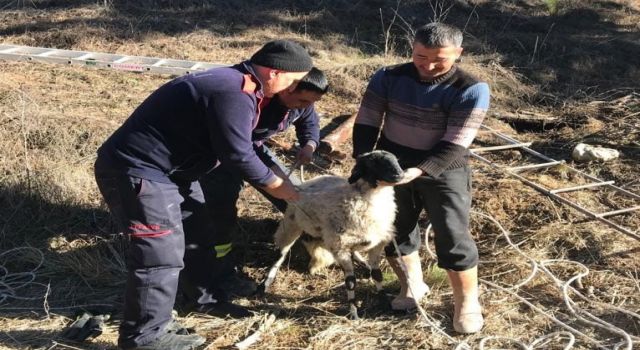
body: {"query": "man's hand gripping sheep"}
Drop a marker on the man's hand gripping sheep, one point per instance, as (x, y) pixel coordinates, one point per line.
(344, 216)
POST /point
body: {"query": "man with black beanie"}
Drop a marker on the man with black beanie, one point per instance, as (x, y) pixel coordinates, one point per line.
(147, 172)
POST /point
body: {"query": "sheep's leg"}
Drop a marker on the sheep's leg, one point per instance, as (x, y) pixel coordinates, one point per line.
(344, 259)
(320, 257)
(357, 257)
(375, 257)
(286, 235)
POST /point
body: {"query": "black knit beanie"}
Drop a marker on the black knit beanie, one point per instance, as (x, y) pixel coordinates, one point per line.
(283, 55)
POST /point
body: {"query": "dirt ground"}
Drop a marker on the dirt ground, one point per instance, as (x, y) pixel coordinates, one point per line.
(561, 72)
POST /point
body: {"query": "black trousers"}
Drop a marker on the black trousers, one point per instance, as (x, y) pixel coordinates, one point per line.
(447, 201)
(221, 192)
(169, 228)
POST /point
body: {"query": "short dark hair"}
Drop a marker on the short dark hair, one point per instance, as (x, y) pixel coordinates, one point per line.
(438, 34)
(315, 81)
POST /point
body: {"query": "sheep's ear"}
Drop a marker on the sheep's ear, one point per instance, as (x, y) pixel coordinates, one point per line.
(356, 174)
(372, 180)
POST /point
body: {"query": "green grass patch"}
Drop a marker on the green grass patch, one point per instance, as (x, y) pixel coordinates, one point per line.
(434, 276)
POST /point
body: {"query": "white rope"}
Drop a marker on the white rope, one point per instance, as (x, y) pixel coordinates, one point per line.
(565, 286)
(13, 283)
(459, 345)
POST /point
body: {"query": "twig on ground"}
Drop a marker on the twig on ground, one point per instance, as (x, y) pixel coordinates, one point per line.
(255, 337)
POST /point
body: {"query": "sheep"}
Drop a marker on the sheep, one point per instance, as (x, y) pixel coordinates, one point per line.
(344, 217)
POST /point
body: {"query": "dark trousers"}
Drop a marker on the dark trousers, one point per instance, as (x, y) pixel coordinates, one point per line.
(168, 226)
(221, 189)
(447, 200)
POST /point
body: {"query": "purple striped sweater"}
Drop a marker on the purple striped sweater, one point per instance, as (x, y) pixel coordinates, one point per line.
(428, 125)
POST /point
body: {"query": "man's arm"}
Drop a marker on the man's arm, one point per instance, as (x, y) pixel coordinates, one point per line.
(366, 129)
(230, 126)
(308, 126)
(308, 134)
(231, 118)
(464, 119)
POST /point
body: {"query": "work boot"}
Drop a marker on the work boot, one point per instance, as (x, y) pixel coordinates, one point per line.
(412, 286)
(172, 341)
(467, 312)
(175, 327)
(237, 285)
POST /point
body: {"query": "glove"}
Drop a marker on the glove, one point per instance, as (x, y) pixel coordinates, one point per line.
(84, 327)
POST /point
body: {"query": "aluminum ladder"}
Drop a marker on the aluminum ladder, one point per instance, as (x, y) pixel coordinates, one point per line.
(139, 64)
(516, 171)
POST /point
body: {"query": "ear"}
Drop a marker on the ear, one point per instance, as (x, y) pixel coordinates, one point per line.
(273, 73)
(368, 167)
(458, 52)
(291, 88)
(356, 174)
(372, 180)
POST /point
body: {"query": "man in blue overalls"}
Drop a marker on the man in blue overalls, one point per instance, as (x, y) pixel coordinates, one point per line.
(222, 186)
(147, 172)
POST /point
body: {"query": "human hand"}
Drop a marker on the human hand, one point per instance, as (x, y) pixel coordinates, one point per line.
(305, 155)
(283, 189)
(410, 174)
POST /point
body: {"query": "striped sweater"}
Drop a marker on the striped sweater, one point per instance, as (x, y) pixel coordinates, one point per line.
(428, 125)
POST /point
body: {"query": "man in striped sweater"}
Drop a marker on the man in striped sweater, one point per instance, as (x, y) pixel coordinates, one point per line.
(427, 112)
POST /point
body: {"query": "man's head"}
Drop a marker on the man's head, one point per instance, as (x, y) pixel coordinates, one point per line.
(280, 64)
(436, 48)
(308, 90)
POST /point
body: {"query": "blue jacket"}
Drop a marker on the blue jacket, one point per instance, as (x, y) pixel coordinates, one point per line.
(189, 126)
(276, 117)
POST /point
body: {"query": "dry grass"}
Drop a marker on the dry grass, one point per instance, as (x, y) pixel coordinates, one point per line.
(52, 119)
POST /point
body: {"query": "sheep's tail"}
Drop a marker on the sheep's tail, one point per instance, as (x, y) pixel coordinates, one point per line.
(320, 257)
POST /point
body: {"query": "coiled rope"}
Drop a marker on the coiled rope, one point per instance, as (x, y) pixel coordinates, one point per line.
(13, 284)
(565, 286)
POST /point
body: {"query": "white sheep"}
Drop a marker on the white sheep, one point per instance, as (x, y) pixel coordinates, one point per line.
(345, 216)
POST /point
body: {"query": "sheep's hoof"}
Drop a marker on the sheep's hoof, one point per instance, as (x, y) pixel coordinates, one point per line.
(354, 316)
(353, 313)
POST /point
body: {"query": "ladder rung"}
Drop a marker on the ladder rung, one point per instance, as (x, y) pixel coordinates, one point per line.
(85, 56)
(502, 147)
(122, 59)
(535, 166)
(159, 63)
(47, 53)
(196, 66)
(616, 212)
(10, 50)
(575, 188)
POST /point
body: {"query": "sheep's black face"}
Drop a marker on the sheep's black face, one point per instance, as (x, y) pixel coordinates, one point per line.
(377, 166)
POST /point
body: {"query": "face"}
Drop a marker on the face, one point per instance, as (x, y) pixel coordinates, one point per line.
(279, 80)
(295, 99)
(433, 62)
